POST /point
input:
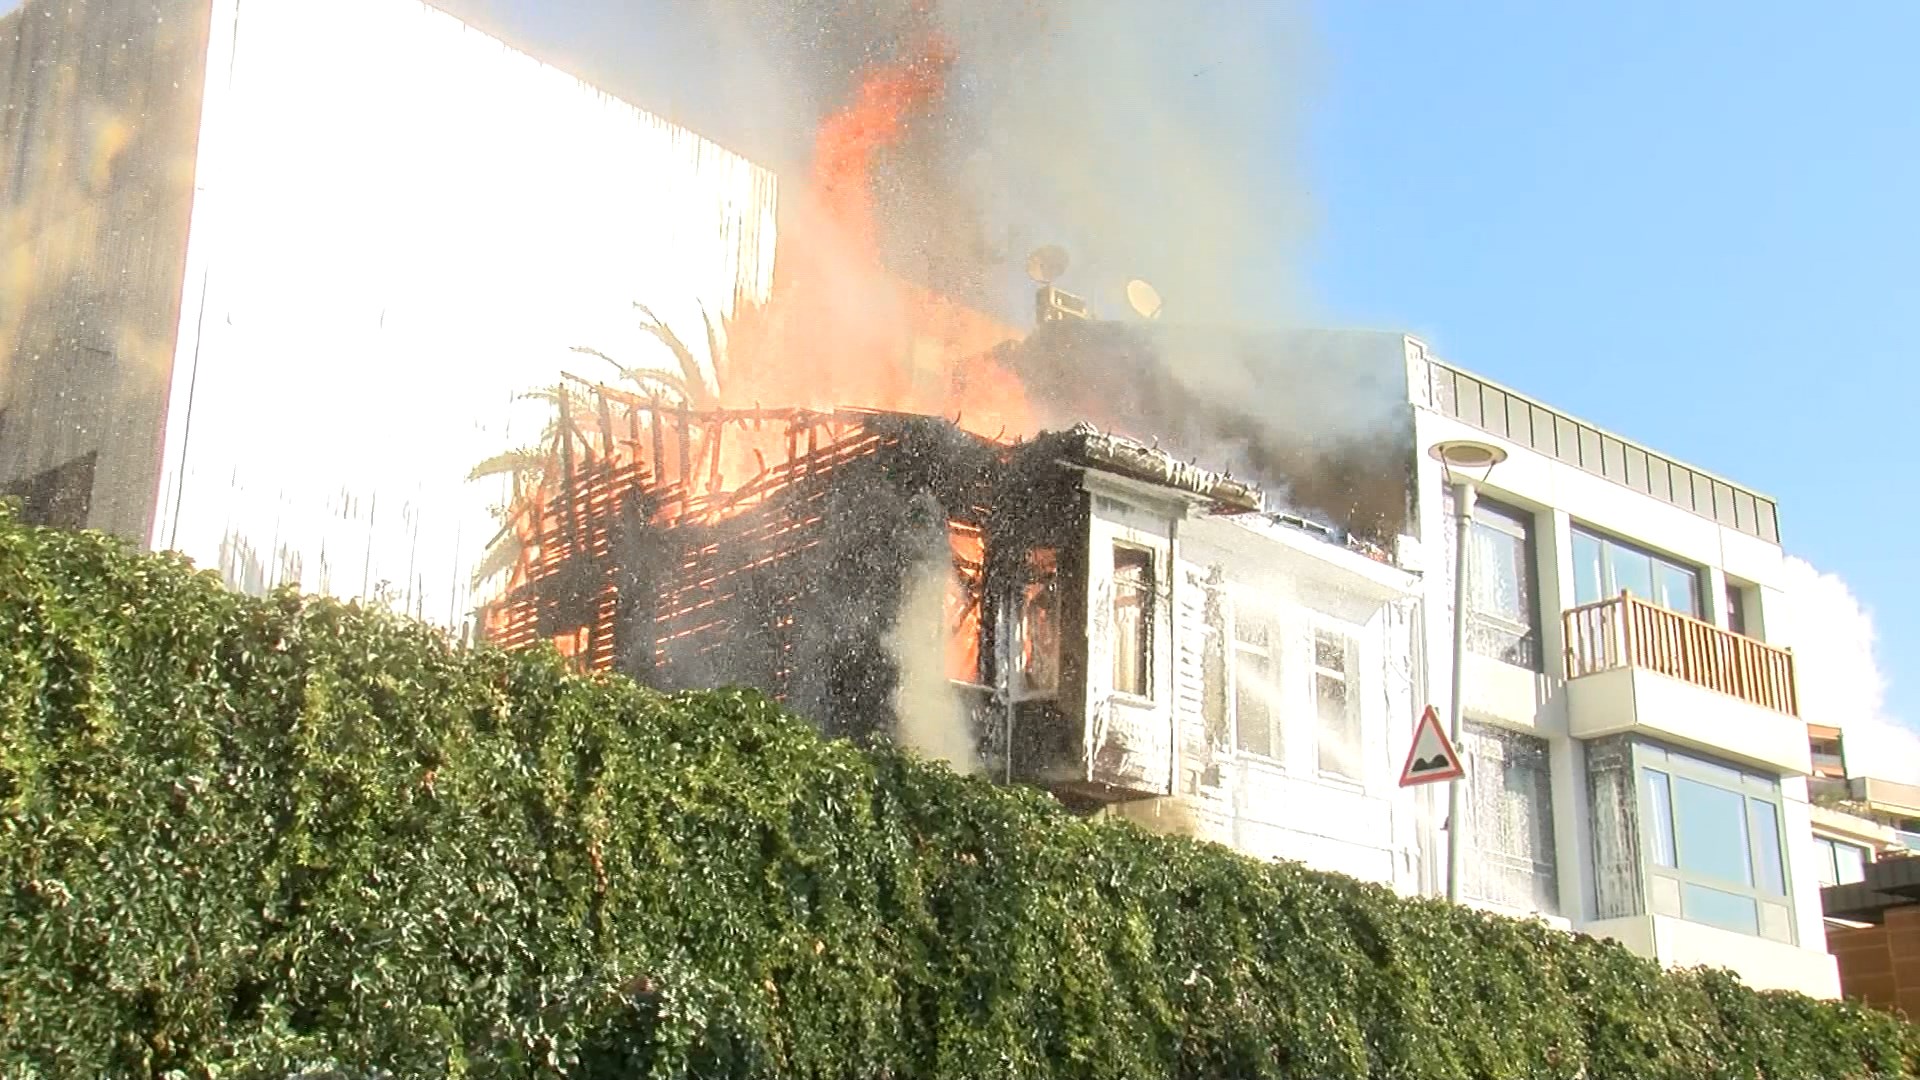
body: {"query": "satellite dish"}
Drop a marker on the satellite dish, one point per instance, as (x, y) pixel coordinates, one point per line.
(1143, 298)
(1046, 264)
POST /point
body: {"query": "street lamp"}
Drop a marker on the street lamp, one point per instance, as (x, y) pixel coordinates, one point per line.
(1466, 463)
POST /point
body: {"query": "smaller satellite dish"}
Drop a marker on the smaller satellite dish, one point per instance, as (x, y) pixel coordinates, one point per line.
(1143, 298)
(1046, 264)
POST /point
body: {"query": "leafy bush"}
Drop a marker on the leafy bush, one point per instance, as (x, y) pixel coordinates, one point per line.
(258, 837)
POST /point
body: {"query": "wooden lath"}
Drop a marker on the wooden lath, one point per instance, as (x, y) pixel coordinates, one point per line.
(1630, 632)
(636, 508)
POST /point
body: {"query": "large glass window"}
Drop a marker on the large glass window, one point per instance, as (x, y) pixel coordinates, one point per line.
(1604, 568)
(1713, 836)
(1511, 793)
(1500, 586)
(1132, 621)
(1337, 708)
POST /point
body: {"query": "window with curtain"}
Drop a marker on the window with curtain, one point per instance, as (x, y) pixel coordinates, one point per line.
(1133, 621)
(1502, 617)
(1337, 706)
(1604, 568)
(1510, 793)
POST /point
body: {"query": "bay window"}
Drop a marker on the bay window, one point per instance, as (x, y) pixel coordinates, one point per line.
(1711, 835)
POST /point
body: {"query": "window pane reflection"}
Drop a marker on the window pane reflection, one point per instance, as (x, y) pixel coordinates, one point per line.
(1660, 825)
(1711, 827)
(1766, 845)
(1722, 909)
(1589, 585)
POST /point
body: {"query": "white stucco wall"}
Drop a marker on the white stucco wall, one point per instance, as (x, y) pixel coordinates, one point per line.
(400, 226)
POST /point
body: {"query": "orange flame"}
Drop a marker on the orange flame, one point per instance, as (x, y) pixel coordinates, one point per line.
(839, 330)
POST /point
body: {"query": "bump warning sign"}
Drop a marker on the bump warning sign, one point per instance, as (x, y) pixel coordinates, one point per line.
(1432, 758)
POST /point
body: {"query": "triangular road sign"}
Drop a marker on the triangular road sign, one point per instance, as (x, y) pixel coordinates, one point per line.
(1432, 758)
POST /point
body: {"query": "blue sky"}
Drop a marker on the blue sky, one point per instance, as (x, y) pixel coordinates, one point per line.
(1694, 224)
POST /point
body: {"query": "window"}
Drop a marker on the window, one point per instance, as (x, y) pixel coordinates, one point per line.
(1213, 668)
(1604, 568)
(1500, 586)
(1037, 626)
(1132, 621)
(1713, 840)
(1256, 719)
(1841, 863)
(1736, 608)
(1510, 790)
(1336, 707)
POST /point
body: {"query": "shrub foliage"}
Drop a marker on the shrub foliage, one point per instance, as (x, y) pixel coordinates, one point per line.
(249, 837)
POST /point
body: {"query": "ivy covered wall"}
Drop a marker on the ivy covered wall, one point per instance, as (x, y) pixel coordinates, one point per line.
(250, 837)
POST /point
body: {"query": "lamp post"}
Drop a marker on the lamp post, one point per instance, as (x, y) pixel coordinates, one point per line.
(1467, 464)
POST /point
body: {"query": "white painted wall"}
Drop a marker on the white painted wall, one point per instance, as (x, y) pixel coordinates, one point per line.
(400, 225)
(1286, 807)
(1562, 496)
(1761, 964)
(1637, 701)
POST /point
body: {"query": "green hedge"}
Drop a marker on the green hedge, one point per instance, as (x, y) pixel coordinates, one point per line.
(249, 837)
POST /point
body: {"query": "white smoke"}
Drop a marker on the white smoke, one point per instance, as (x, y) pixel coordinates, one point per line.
(933, 721)
(1839, 677)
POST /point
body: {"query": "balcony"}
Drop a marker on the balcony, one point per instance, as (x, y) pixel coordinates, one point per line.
(1636, 667)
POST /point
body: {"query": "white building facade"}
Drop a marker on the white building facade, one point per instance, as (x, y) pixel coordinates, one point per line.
(1638, 767)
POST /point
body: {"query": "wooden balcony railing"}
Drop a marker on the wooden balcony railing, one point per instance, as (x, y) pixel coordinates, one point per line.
(1629, 632)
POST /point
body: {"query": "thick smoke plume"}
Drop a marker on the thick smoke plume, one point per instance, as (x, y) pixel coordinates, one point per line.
(1150, 140)
(1840, 680)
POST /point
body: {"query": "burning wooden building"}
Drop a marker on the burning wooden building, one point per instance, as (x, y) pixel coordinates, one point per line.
(775, 549)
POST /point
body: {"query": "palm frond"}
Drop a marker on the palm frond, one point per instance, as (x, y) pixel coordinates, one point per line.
(512, 462)
(689, 364)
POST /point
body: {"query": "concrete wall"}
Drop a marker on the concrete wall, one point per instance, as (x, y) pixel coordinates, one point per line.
(404, 227)
(97, 144)
(1637, 701)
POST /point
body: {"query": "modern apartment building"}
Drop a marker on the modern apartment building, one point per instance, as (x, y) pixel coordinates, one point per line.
(1638, 764)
